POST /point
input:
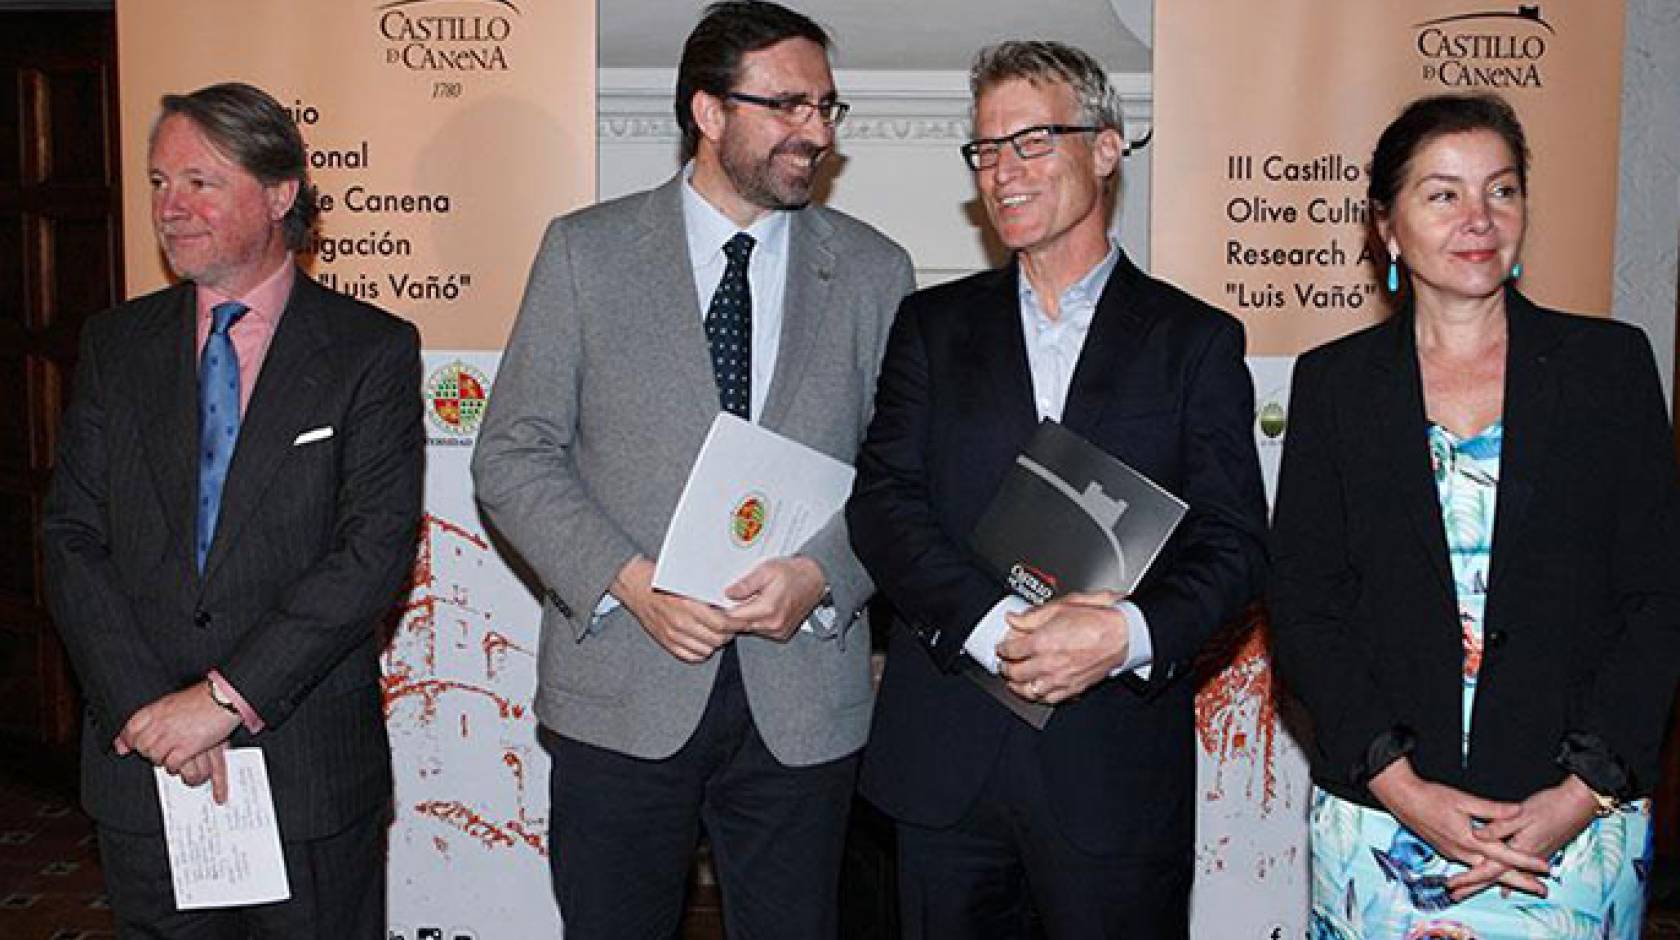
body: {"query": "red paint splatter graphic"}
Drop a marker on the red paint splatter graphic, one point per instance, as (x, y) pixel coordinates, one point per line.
(431, 528)
(429, 691)
(411, 660)
(1212, 857)
(450, 666)
(459, 816)
(496, 647)
(533, 834)
(1237, 721)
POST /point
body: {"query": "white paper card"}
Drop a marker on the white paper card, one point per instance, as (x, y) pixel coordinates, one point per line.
(228, 855)
(752, 495)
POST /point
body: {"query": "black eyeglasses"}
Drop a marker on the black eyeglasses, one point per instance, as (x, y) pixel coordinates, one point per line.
(796, 109)
(1030, 143)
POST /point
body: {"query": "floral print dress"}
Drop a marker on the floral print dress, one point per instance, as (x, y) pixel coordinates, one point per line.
(1373, 878)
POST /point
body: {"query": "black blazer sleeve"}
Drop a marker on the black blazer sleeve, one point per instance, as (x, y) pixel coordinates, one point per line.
(934, 582)
(1218, 560)
(1627, 703)
(1315, 586)
(119, 671)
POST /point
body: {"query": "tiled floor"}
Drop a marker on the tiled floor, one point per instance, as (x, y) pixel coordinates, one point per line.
(50, 887)
(1662, 918)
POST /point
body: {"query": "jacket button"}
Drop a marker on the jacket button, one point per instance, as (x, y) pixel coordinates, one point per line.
(1496, 638)
(201, 619)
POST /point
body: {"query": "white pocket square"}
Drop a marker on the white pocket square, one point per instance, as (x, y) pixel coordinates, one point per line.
(310, 437)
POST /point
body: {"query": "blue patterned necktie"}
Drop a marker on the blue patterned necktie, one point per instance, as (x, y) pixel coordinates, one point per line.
(218, 419)
(729, 329)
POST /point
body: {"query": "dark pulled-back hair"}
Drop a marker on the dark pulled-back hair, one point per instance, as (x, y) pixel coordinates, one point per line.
(249, 127)
(1425, 120)
(711, 58)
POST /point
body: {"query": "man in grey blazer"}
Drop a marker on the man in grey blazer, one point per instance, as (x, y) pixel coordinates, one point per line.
(665, 713)
(232, 513)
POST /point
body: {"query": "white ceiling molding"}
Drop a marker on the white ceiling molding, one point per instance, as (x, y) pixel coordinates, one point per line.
(909, 107)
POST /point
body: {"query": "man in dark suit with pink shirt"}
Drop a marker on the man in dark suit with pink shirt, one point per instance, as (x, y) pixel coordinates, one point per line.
(232, 514)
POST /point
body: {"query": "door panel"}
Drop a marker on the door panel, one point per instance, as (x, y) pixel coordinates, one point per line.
(60, 260)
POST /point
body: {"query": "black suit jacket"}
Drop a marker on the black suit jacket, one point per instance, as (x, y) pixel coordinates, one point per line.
(312, 543)
(1161, 384)
(1582, 625)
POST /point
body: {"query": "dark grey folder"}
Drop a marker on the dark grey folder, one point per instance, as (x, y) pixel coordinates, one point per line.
(1069, 517)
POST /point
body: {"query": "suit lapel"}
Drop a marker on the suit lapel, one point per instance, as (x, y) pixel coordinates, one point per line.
(167, 366)
(1118, 327)
(996, 348)
(1396, 407)
(667, 299)
(1531, 390)
(810, 280)
(287, 397)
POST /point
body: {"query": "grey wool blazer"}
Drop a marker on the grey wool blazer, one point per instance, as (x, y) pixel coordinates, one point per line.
(602, 401)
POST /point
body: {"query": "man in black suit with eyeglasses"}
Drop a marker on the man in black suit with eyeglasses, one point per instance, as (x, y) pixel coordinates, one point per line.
(1086, 825)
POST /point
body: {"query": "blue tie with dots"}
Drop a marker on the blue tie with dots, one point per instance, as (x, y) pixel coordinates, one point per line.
(729, 329)
(218, 419)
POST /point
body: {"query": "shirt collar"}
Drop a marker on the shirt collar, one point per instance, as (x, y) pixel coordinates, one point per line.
(1078, 304)
(265, 302)
(708, 229)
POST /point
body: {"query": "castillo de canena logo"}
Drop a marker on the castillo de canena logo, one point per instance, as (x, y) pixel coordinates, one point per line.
(748, 519)
(447, 35)
(456, 395)
(1485, 48)
(1035, 584)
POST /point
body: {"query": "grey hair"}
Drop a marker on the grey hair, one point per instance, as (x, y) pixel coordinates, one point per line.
(1038, 61)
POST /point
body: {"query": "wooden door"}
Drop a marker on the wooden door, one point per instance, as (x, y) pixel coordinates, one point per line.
(60, 260)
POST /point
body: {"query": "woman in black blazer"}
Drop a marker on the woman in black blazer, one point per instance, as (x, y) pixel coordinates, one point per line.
(1476, 588)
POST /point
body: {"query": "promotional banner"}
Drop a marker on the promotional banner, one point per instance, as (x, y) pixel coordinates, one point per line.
(1265, 117)
(1261, 146)
(442, 134)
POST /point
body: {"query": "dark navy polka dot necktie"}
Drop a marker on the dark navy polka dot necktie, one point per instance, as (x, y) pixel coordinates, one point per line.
(218, 419)
(729, 329)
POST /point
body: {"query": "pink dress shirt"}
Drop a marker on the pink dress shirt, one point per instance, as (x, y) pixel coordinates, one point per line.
(251, 337)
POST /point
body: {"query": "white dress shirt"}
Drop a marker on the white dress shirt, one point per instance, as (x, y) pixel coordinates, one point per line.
(1053, 348)
(708, 231)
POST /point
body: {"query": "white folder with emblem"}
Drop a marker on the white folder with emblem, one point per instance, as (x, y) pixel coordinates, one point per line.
(752, 495)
